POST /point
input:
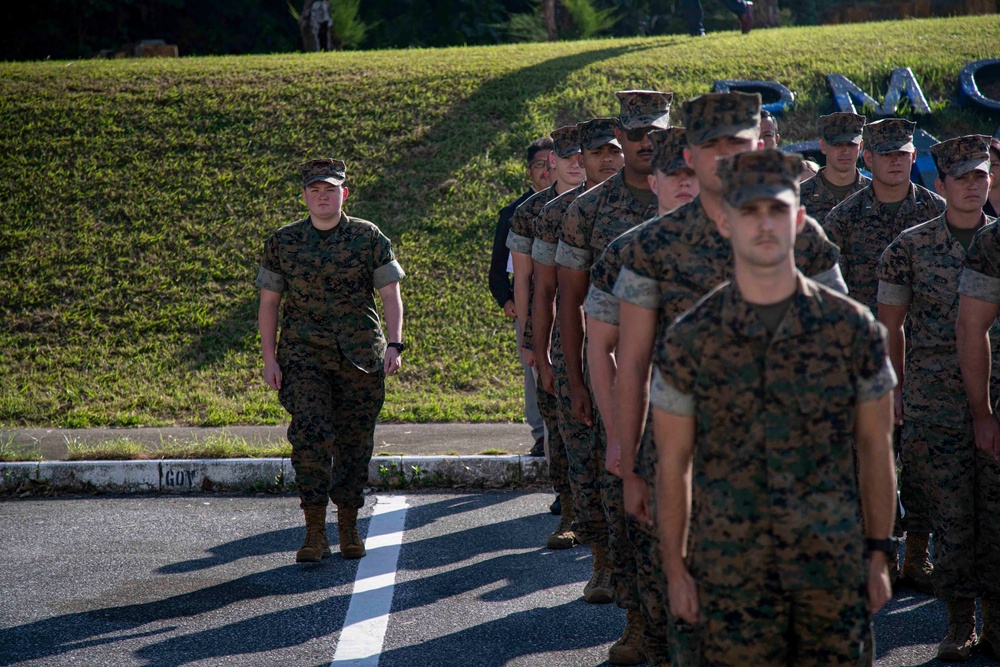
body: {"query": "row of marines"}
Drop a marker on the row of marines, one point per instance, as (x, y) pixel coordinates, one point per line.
(720, 415)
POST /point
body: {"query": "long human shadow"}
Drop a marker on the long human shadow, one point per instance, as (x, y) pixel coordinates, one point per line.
(58, 635)
(521, 572)
(497, 643)
(291, 627)
(278, 541)
(481, 120)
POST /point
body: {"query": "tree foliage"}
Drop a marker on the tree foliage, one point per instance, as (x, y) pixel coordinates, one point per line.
(82, 28)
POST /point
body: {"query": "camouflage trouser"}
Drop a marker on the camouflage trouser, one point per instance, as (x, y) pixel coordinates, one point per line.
(558, 465)
(651, 584)
(913, 478)
(334, 406)
(962, 487)
(620, 543)
(756, 626)
(584, 476)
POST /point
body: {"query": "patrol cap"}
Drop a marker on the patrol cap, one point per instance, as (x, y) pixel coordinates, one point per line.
(325, 169)
(889, 134)
(957, 157)
(763, 174)
(841, 128)
(566, 140)
(731, 114)
(644, 108)
(668, 149)
(598, 132)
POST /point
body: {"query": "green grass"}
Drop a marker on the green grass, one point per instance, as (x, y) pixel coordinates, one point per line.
(10, 452)
(214, 447)
(135, 196)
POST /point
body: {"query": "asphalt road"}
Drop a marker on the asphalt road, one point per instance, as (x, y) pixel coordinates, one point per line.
(210, 580)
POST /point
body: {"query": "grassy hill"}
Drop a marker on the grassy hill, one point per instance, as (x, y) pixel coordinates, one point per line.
(135, 196)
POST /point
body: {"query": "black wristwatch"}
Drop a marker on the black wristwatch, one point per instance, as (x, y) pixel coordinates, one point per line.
(889, 547)
(399, 346)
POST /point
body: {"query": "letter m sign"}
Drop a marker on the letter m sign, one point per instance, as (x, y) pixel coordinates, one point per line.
(845, 94)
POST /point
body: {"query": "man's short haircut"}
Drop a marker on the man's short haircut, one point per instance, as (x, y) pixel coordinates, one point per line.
(764, 113)
(538, 145)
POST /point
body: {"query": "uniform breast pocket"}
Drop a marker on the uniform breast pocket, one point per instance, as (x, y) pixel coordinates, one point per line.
(941, 294)
(826, 403)
(346, 272)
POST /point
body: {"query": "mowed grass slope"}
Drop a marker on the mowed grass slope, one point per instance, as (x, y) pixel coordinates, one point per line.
(135, 197)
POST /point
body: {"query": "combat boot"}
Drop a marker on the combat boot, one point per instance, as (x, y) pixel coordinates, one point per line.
(917, 568)
(563, 536)
(628, 649)
(598, 589)
(957, 644)
(989, 641)
(351, 545)
(316, 547)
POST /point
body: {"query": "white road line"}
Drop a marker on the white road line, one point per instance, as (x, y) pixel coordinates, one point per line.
(361, 640)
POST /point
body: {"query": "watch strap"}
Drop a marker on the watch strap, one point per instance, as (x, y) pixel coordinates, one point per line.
(888, 546)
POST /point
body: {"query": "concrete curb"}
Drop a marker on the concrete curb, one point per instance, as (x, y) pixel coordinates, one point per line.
(199, 475)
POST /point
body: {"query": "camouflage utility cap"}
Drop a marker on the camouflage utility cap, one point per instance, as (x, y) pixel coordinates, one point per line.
(889, 135)
(566, 140)
(714, 115)
(644, 108)
(325, 169)
(668, 149)
(764, 174)
(957, 157)
(841, 128)
(598, 132)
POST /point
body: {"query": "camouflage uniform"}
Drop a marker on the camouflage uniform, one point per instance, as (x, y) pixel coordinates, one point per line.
(776, 534)
(834, 128)
(331, 350)
(672, 260)
(776, 542)
(602, 305)
(863, 228)
(520, 239)
(818, 199)
(981, 280)
(590, 524)
(921, 270)
(597, 217)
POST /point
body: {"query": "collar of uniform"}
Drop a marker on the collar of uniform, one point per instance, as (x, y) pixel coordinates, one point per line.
(943, 238)
(310, 227)
(909, 201)
(857, 176)
(804, 315)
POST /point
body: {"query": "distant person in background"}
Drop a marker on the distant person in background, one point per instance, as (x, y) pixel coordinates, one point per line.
(502, 288)
(769, 129)
(330, 365)
(694, 15)
(316, 26)
(992, 205)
